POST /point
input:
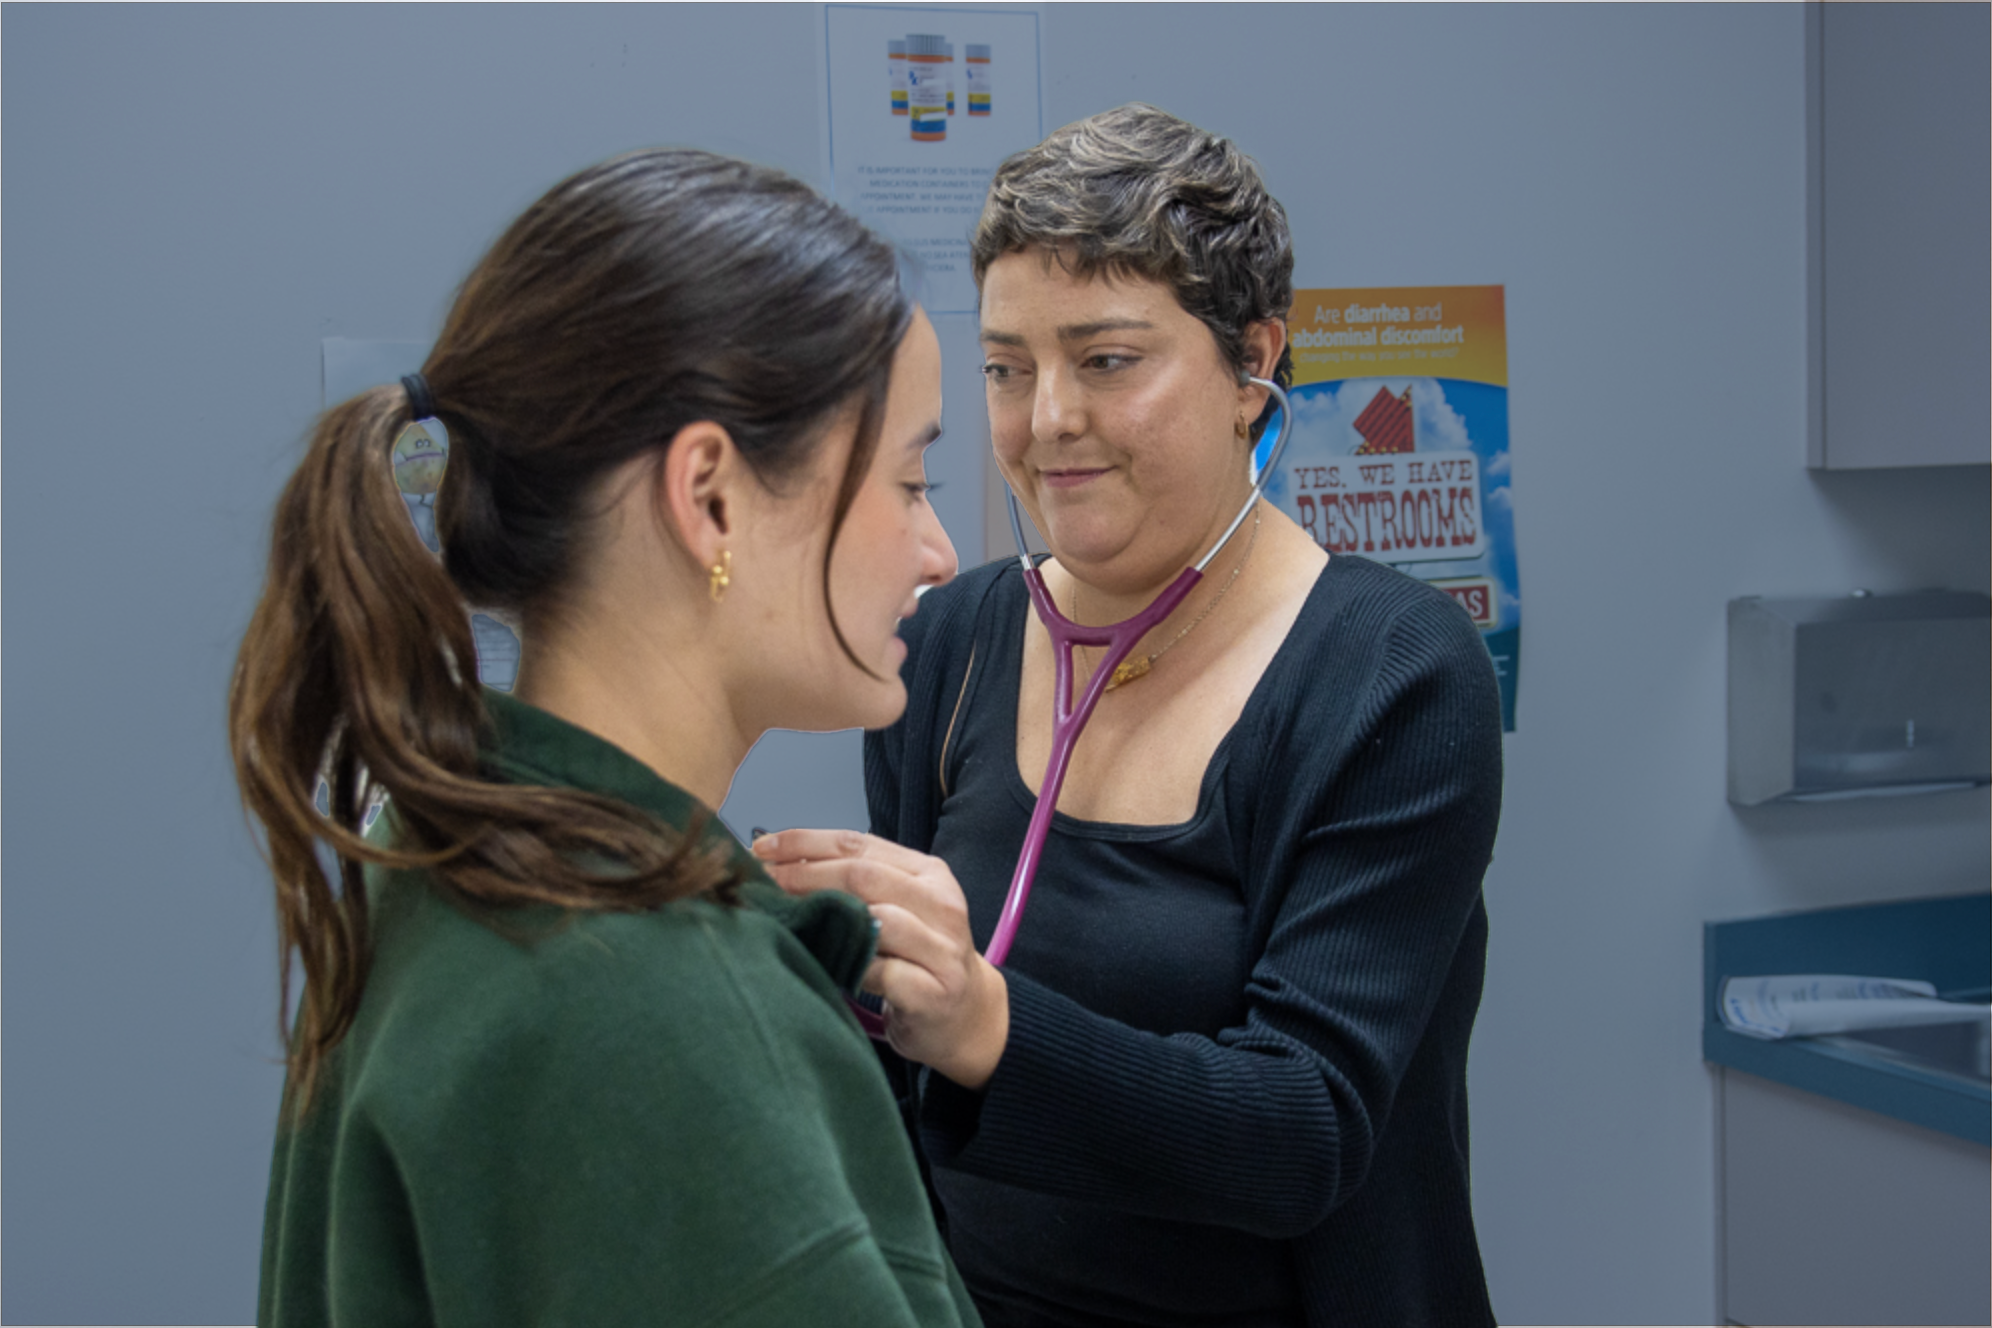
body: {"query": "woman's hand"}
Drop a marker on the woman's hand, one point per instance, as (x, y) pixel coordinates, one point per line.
(945, 1005)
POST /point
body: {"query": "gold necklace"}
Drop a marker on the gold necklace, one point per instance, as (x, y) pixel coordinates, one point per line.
(1135, 669)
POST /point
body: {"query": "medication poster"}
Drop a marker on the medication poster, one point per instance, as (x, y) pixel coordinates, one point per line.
(924, 104)
(1400, 445)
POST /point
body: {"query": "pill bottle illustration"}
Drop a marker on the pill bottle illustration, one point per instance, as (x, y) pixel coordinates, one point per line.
(927, 86)
(951, 78)
(978, 79)
(895, 64)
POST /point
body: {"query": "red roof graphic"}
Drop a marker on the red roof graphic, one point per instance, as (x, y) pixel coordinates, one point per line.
(1385, 424)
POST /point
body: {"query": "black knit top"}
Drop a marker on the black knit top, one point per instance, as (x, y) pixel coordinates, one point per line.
(1235, 1086)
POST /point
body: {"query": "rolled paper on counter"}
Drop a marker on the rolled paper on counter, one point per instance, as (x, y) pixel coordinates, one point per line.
(1811, 1004)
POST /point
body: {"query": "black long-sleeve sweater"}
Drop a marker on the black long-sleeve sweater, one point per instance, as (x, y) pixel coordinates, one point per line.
(1361, 788)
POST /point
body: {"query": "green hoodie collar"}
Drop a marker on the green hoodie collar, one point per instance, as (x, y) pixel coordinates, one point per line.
(527, 745)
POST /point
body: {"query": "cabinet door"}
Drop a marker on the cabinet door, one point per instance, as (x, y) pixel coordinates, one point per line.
(1900, 229)
(1835, 1215)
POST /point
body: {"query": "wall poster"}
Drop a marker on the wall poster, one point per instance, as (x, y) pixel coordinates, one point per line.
(351, 366)
(923, 105)
(1400, 445)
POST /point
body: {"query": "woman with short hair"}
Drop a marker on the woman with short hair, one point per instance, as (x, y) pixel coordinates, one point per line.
(1221, 1079)
(563, 1054)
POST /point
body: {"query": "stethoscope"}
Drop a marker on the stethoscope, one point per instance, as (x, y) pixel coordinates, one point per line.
(1068, 720)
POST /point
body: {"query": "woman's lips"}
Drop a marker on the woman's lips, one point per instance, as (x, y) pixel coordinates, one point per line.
(1069, 479)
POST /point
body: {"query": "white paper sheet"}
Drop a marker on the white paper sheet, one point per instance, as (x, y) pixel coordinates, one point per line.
(1808, 1004)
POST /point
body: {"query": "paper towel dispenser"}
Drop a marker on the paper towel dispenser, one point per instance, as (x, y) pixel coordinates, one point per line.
(1859, 696)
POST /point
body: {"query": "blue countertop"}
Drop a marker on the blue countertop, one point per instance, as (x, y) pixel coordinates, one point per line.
(1945, 941)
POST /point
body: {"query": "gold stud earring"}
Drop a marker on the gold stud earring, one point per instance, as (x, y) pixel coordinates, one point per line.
(720, 575)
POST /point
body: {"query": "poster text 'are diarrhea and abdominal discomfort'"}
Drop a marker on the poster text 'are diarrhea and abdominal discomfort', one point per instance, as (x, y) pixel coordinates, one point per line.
(1400, 445)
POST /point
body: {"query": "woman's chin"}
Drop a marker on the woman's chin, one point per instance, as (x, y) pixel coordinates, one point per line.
(1108, 568)
(1088, 536)
(1076, 548)
(884, 703)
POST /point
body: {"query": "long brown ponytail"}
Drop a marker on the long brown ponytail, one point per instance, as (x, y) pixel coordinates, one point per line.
(640, 295)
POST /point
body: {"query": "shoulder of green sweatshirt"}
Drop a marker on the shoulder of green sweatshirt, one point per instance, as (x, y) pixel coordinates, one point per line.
(553, 1117)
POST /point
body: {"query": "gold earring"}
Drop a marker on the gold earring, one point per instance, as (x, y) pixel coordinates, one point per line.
(1244, 431)
(720, 575)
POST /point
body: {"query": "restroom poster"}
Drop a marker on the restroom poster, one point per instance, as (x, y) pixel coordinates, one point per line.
(923, 106)
(1400, 445)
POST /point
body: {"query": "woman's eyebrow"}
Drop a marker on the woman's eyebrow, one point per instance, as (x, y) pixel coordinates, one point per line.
(1080, 331)
(1072, 331)
(925, 438)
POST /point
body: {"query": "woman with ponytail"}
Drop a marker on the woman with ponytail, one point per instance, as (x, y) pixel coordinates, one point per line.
(561, 1054)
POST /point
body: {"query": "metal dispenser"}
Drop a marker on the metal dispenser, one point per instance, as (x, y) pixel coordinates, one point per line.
(1862, 696)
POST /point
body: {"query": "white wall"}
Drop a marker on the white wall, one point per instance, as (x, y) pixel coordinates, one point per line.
(197, 195)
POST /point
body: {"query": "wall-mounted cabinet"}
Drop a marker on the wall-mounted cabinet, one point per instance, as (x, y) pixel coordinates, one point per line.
(1899, 234)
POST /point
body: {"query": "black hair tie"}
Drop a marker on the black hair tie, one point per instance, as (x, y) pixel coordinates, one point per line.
(420, 404)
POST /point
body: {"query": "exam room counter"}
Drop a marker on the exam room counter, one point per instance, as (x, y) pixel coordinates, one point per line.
(1854, 1173)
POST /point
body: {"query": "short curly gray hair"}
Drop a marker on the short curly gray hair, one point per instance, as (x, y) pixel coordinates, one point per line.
(1136, 191)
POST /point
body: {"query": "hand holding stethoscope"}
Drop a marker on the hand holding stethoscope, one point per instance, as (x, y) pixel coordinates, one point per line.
(914, 897)
(950, 1008)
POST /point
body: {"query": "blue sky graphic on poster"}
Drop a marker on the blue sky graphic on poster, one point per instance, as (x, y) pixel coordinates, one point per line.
(1400, 449)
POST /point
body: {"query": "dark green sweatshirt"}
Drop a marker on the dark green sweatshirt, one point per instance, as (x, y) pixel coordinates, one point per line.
(661, 1118)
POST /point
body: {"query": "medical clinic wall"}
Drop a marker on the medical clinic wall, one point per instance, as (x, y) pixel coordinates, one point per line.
(199, 195)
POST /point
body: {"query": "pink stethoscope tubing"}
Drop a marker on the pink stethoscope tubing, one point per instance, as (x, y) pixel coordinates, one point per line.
(1068, 720)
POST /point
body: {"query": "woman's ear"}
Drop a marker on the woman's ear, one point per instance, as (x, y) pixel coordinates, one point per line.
(1264, 341)
(695, 487)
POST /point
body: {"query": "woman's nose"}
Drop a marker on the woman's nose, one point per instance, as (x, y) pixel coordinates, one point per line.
(1056, 410)
(938, 562)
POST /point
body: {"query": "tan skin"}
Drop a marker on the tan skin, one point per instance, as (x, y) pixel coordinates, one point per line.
(1114, 416)
(641, 654)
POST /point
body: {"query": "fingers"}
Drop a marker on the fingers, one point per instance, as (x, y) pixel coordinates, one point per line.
(798, 845)
(817, 845)
(956, 1019)
(905, 986)
(880, 872)
(926, 960)
(945, 1006)
(873, 882)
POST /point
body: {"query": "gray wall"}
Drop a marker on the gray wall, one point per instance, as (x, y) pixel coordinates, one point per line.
(198, 195)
